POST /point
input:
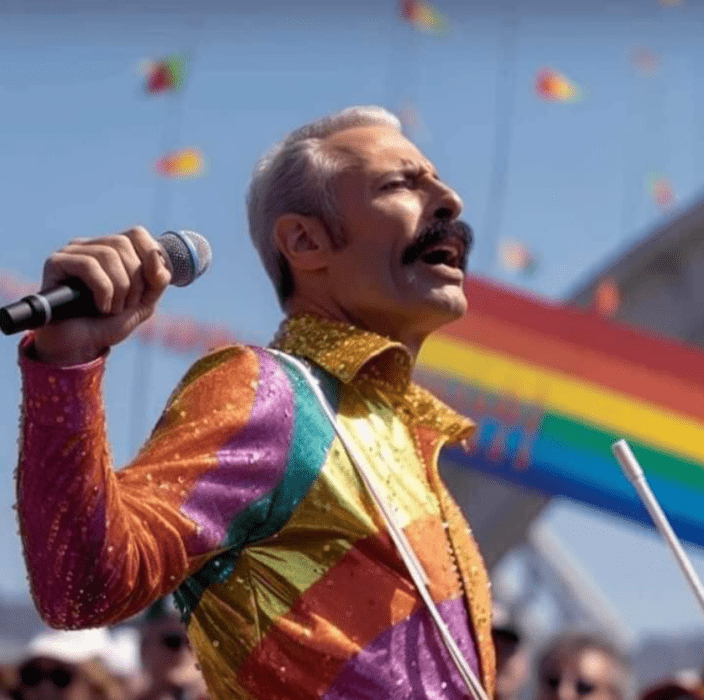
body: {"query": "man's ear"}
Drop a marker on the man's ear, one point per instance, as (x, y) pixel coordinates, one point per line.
(303, 241)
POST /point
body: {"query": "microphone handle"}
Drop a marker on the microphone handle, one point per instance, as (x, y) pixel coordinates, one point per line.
(71, 299)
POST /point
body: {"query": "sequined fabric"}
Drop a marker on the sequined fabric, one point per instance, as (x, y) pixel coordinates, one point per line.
(244, 504)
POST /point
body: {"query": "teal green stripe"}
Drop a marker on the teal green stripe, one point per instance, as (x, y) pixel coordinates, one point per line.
(592, 439)
(313, 436)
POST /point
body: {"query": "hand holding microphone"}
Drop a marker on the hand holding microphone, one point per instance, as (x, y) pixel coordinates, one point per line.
(98, 290)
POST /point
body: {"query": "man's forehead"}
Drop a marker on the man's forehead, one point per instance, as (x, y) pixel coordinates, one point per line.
(377, 147)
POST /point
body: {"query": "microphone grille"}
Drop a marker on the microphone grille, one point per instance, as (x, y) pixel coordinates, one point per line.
(190, 255)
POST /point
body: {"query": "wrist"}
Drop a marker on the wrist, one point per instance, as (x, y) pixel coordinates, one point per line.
(38, 352)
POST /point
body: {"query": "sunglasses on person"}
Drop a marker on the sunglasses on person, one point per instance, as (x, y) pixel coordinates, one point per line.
(581, 687)
(32, 675)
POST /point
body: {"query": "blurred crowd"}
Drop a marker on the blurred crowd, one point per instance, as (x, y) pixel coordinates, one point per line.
(580, 665)
(151, 660)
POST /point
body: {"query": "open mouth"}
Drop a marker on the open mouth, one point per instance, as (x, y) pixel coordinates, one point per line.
(448, 252)
(443, 247)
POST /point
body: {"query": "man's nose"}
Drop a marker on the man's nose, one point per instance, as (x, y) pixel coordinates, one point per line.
(448, 204)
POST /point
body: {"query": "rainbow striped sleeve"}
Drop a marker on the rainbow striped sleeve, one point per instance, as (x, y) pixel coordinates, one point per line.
(101, 545)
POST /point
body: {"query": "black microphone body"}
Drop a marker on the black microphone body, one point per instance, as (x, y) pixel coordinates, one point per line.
(69, 300)
(189, 256)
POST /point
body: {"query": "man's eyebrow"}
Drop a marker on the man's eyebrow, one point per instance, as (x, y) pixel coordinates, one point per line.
(418, 167)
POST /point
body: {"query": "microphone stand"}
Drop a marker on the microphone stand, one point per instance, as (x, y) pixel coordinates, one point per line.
(634, 473)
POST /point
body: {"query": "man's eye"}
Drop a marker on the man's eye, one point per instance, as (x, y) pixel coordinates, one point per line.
(393, 184)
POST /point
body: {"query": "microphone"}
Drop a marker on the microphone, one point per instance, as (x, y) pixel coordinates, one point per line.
(189, 255)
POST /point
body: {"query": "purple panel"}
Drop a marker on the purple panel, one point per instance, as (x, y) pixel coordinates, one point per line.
(252, 462)
(410, 661)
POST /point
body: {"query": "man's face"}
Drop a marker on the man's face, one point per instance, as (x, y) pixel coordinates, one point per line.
(389, 276)
(586, 675)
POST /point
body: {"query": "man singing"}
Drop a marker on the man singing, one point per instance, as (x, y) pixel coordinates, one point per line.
(244, 502)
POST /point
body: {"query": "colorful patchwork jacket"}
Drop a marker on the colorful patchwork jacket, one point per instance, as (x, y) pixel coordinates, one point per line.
(245, 505)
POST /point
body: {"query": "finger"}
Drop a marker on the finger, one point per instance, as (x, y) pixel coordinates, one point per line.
(133, 246)
(156, 266)
(158, 277)
(133, 264)
(61, 265)
(113, 256)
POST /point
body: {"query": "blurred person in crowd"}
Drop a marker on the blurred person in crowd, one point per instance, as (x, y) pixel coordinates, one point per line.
(244, 502)
(685, 684)
(52, 678)
(170, 671)
(8, 679)
(512, 662)
(583, 666)
(673, 689)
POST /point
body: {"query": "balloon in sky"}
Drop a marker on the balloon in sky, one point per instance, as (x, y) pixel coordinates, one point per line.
(515, 257)
(423, 16)
(185, 163)
(553, 86)
(166, 74)
(661, 191)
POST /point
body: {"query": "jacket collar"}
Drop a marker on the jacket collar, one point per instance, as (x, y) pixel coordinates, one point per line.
(353, 355)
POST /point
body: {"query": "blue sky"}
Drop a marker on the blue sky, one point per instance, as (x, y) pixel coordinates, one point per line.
(78, 139)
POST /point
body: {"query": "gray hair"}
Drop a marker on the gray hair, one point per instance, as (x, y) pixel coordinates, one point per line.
(296, 176)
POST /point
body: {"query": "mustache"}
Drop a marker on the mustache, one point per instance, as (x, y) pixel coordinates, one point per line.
(438, 231)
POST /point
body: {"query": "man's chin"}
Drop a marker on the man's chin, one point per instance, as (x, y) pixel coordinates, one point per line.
(445, 305)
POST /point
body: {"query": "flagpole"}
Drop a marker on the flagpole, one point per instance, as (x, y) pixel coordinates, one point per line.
(161, 213)
(403, 89)
(505, 107)
(627, 199)
(645, 155)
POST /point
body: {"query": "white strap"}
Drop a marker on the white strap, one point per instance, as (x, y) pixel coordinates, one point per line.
(415, 568)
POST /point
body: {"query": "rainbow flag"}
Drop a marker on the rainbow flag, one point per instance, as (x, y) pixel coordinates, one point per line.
(661, 191)
(551, 387)
(515, 257)
(607, 297)
(185, 163)
(555, 87)
(166, 74)
(424, 16)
